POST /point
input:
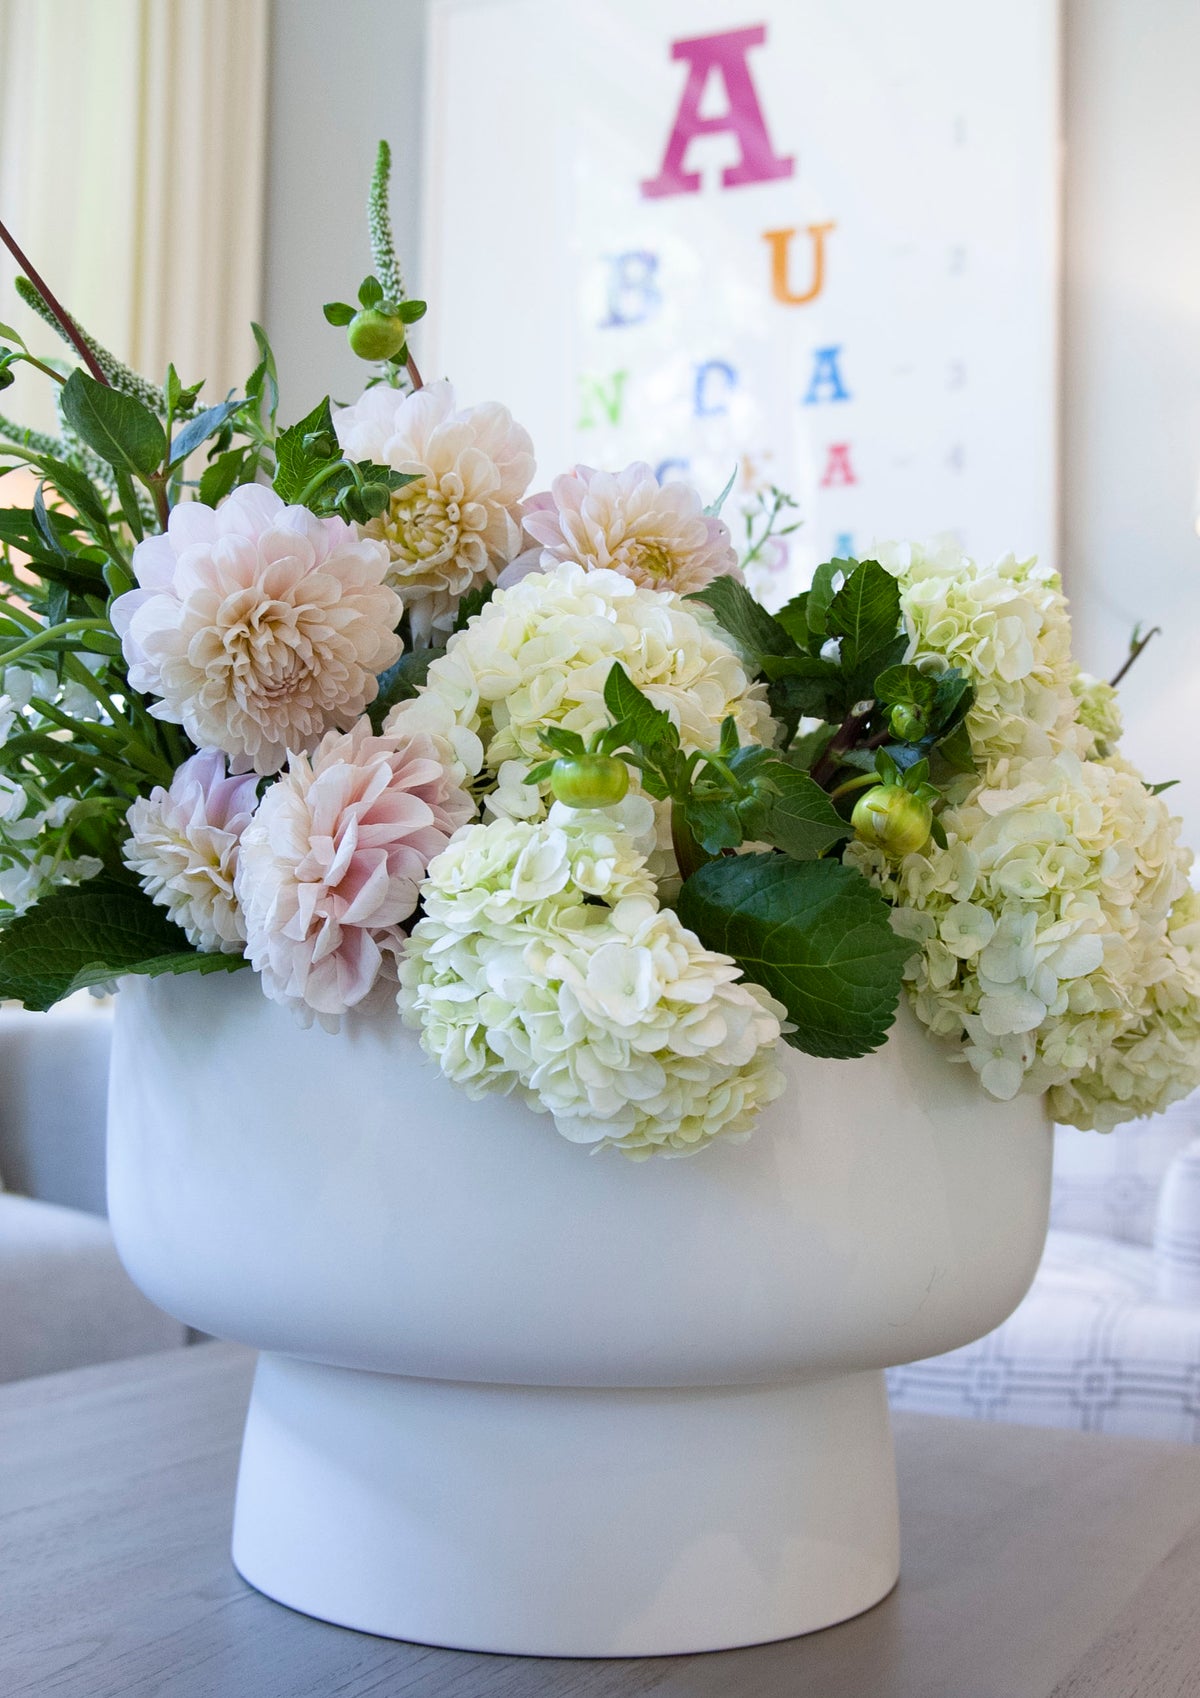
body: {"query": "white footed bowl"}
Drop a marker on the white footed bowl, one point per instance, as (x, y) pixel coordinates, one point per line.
(515, 1397)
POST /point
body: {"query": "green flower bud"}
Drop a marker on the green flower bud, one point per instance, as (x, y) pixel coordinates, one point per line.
(892, 819)
(589, 781)
(907, 723)
(375, 499)
(320, 445)
(375, 335)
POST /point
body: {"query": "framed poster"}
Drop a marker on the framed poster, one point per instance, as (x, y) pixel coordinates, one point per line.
(813, 244)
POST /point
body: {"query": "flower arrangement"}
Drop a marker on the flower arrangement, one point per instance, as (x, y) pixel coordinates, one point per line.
(346, 702)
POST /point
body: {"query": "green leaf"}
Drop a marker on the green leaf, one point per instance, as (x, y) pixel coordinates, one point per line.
(295, 464)
(799, 818)
(955, 752)
(199, 429)
(1167, 784)
(713, 510)
(370, 292)
(750, 628)
(794, 619)
(713, 823)
(400, 683)
(906, 686)
(865, 614)
(87, 934)
(641, 721)
(265, 373)
(812, 933)
(408, 312)
(124, 433)
(821, 593)
(338, 312)
(224, 474)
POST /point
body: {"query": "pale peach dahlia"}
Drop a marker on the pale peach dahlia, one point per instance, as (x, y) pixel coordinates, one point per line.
(259, 626)
(656, 534)
(331, 863)
(459, 522)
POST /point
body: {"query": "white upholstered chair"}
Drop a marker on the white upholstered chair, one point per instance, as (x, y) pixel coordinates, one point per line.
(65, 1299)
(1108, 1339)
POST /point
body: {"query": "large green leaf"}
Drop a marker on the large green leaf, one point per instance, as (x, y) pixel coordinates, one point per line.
(304, 449)
(865, 614)
(749, 627)
(88, 934)
(637, 715)
(799, 818)
(814, 934)
(122, 431)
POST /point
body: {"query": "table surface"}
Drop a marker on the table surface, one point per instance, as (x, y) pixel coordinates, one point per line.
(1037, 1564)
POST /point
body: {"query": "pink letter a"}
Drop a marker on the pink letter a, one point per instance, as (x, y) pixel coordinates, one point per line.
(726, 54)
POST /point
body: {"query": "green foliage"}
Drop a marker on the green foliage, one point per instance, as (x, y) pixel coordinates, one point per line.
(401, 682)
(311, 471)
(117, 427)
(813, 933)
(89, 934)
(865, 615)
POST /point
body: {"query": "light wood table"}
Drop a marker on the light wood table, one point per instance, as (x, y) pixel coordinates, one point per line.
(1037, 1564)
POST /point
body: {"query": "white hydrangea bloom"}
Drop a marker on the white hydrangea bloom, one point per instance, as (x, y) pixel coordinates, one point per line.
(459, 523)
(1007, 629)
(539, 654)
(544, 966)
(1051, 938)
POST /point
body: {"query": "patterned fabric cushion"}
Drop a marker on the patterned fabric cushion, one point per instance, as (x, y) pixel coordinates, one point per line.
(1108, 1183)
(1091, 1347)
(1177, 1229)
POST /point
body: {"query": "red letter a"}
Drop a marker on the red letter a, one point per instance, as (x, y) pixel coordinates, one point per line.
(725, 54)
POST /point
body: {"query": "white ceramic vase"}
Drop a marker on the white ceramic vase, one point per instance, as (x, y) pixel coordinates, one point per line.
(514, 1397)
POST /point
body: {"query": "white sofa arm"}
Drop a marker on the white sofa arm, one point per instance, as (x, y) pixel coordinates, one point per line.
(1177, 1229)
(53, 1101)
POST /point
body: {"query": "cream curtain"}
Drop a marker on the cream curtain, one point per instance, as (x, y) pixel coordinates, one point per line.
(132, 152)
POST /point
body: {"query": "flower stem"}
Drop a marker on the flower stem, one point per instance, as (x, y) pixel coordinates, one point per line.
(414, 376)
(51, 301)
(1134, 651)
(49, 635)
(859, 783)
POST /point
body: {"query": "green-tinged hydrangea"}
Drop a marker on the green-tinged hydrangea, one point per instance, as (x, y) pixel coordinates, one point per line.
(544, 966)
(1007, 629)
(1057, 939)
(1097, 710)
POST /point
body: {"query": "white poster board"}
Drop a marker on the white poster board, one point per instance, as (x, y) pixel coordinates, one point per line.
(815, 241)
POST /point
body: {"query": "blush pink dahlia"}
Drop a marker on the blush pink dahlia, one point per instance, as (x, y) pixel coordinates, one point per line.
(259, 626)
(331, 864)
(656, 534)
(184, 845)
(459, 523)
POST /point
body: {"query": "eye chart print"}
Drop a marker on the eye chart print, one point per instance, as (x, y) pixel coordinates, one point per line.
(812, 242)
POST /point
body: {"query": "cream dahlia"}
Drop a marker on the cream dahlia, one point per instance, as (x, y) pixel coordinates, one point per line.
(183, 846)
(331, 864)
(656, 534)
(459, 523)
(259, 626)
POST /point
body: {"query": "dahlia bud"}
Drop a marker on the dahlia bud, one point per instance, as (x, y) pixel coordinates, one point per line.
(375, 498)
(375, 335)
(892, 819)
(907, 723)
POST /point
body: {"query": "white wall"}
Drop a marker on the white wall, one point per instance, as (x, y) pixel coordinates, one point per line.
(1132, 365)
(344, 74)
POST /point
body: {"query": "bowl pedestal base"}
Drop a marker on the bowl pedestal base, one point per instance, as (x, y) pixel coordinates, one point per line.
(558, 1521)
